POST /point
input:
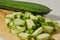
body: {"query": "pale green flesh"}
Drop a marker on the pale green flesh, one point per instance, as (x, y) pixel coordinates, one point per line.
(27, 26)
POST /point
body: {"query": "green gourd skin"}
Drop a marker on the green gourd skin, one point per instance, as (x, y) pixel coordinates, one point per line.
(25, 6)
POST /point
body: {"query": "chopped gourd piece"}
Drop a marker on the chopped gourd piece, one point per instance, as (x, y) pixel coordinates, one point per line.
(52, 23)
(40, 18)
(48, 29)
(44, 24)
(17, 14)
(20, 29)
(13, 31)
(29, 23)
(19, 22)
(23, 36)
(33, 17)
(26, 15)
(11, 24)
(7, 20)
(11, 16)
(48, 19)
(44, 36)
(57, 26)
(38, 31)
(30, 31)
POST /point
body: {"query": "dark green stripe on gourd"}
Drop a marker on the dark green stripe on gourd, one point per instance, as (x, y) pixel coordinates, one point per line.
(25, 6)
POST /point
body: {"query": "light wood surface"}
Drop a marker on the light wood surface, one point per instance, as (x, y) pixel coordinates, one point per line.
(4, 31)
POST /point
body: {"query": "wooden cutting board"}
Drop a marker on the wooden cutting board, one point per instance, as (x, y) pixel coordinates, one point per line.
(4, 31)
